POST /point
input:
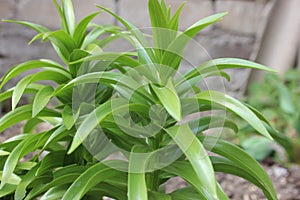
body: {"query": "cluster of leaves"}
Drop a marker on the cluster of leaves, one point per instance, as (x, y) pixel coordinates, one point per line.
(127, 102)
(282, 108)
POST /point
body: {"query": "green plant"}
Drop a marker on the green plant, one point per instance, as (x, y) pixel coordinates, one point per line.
(281, 107)
(132, 103)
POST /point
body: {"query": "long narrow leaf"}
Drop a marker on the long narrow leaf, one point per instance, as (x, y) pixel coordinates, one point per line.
(243, 160)
(219, 64)
(224, 101)
(197, 156)
(26, 180)
(69, 16)
(23, 113)
(33, 64)
(146, 54)
(55, 76)
(81, 29)
(31, 25)
(92, 176)
(99, 114)
(137, 188)
(175, 50)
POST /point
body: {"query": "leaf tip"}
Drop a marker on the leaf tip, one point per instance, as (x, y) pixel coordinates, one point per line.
(74, 146)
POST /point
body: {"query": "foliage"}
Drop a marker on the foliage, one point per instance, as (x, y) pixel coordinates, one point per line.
(281, 106)
(131, 103)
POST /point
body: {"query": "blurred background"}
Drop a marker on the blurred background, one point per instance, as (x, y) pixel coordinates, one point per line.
(266, 31)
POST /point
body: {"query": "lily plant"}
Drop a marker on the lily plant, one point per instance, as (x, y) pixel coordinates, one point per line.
(120, 122)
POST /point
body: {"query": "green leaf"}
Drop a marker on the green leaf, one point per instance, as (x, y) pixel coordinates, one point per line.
(285, 99)
(161, 33)
(55, 76)
(201, 24)
(33, 64)
(31, 89)
(31, 124)
(92, 176)
(146, 54)
(51, 161)
(240, 158)
(31, 25)
(173, 23)
(137, 188)
(197, 156)
(23, 113)
(98, 115)
(62, 176)
(208, 122)
(174, 52)
(258, 114)
(111, 57)
(226, 166)
(7, 189)
(19, 90)
(69, 117)
(94, 34)
(20, 150)
(62, 42)
(186, 171)
(186, 193)
(281, 139)
(219, 64)
(158, 196)
(95, 77)
(4, 153)
(13, 179)
(12, 142)
(41, 99)
(157, 16)
(81, 29)
(55, 193)
(222, 100)
(69, 16)
(74, 56)
(26, 180)
(57, 135)
(169, 99)
(221, 193)
(258, 147)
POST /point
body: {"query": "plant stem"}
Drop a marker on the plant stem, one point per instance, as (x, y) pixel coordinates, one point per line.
(153, 180)
(153, 177)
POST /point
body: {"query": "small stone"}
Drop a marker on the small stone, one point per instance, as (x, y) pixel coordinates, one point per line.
(280, 172)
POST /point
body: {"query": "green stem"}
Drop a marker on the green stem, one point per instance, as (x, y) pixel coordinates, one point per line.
(153, 177)
(153, 180)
